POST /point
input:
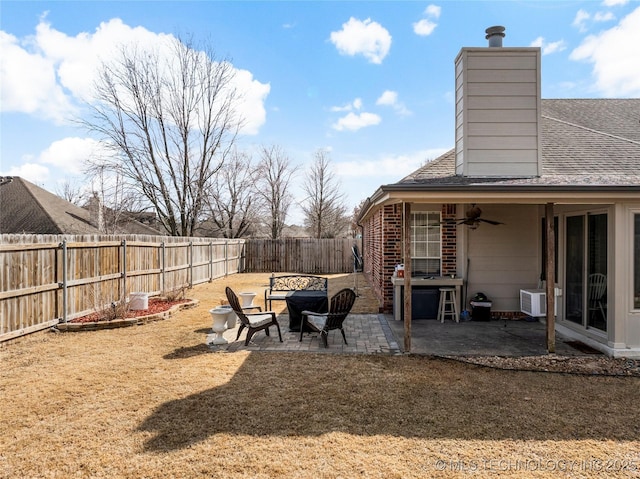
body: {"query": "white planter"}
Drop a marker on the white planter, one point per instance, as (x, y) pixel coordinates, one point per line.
(139, 301)
(219, 326)
(247, 299)
(231, 318)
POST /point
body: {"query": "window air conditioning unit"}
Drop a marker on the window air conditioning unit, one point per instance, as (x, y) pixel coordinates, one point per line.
(533, 302)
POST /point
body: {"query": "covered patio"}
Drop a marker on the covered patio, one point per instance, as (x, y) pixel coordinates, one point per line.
(475, 338)
(370, 332)
(381, 334)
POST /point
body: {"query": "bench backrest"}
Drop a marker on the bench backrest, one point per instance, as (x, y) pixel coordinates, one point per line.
(298, 283)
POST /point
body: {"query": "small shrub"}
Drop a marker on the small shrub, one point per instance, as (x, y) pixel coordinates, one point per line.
(176, 294)
(108, 310)
(117, 309)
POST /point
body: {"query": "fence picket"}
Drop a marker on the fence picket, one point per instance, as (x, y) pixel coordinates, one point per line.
(300, 255)
(48, 278)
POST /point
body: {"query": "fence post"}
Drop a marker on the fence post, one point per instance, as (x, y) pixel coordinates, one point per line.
(63, 245)
(210, 261)
(226, 257)
(190, 264)
(123, 293)
(162, 270)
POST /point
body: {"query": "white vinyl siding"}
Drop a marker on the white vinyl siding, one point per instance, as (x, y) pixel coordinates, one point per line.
(498, 112)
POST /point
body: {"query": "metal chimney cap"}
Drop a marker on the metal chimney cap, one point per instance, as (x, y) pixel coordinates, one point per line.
(495, 35)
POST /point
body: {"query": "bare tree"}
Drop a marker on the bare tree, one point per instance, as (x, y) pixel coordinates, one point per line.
(324, 209)
(169, 116)
(111, 203)
(272, 178)
(355, 228)
(71, 192)
(232, 205)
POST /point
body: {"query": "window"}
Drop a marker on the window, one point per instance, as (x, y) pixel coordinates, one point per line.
(425, 243)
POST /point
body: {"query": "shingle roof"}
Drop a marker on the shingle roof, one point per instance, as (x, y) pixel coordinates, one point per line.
(28, 209)
(588, 142)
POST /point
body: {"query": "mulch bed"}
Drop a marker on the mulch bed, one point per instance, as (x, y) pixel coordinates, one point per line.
(158, 309)
(156, 306)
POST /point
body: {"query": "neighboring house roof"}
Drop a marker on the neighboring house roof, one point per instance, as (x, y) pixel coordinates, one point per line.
(585, 143)
(123, 222)
(28, 209)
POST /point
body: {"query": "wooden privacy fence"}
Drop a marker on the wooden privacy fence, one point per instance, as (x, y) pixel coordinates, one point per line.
(46, 279)
(300, 255)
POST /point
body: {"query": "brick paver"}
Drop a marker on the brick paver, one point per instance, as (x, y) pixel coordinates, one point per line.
(366, 334)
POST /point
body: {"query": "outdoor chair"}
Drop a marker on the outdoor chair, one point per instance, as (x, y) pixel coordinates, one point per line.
(339, 307)
(597, 288)
(252, 321)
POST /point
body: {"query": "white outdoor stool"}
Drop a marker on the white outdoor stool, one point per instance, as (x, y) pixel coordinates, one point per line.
(448, 305)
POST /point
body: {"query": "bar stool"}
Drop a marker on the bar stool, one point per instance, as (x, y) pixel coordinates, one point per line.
(448, 305)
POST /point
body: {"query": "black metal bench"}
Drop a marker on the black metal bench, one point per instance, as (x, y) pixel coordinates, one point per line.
(281, 286)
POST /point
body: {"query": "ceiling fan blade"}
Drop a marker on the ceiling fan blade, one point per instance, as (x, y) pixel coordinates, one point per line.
(491, 222)
(449, 222)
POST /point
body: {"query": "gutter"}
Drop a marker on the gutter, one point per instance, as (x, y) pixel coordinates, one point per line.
(497, 193)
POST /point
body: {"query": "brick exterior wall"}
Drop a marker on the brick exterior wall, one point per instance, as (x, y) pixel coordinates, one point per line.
(382, 249)
(449, 238)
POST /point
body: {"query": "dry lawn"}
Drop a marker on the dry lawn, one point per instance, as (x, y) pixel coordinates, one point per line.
(154, 401)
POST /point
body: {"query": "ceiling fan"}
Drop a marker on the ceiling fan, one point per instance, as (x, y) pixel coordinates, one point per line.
(472, 218)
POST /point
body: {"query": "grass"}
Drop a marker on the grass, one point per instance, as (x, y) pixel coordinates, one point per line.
(154, 401)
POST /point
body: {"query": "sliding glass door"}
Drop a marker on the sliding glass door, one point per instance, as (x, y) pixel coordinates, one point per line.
(574, 276)
(586, 270)
(597, 272)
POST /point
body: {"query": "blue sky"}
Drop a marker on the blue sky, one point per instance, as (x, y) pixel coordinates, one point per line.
(370, 81)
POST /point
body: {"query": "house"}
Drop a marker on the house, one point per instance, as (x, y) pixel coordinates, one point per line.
(28, 209)
(535, 192)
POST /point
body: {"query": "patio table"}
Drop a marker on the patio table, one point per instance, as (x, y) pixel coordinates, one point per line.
(299, 301)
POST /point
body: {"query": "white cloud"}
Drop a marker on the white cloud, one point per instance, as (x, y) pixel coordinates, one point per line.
(603, 17)
(354, 105)
(33, 172)
(390, 168)
(549, 47)
(580, 20)
(433, 11)
(354, 122)
(29, 83)
(390, 98)
(251, 104)
(366, 38)
(61, 159)
(615, 57)
(70, 155)
(583, 17)
(426, 26)
(49, 72)
(387, 98)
